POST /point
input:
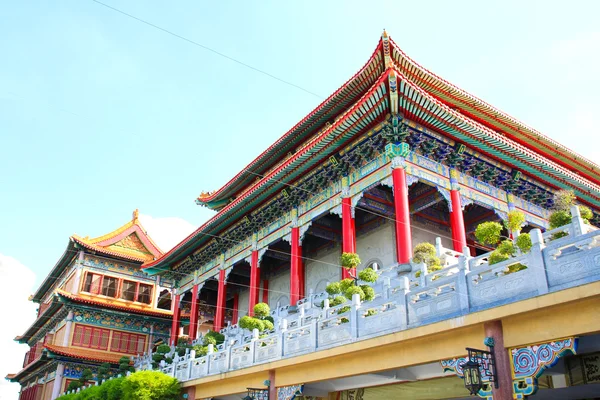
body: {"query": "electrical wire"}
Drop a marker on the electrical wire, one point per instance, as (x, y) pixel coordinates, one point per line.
(195, 43)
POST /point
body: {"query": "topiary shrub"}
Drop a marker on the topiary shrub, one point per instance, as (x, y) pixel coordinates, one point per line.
(333, 288)
(368, 275)
(349, 260)
(125, 365)
(111, 390)
(219, 337)
(352, 290)
(337, 300)
(515, 220)
(150, 385)
(163, 348)
(268, 325)
(368, 291)
(564, 199)
(488, 233)
(103, 372)
(523, 242)
(370, 312)
(262, 310)
(423, 251)
(74, 385)
(559, 218)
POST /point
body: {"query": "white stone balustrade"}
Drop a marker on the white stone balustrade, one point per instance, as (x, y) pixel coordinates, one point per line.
(403, 301)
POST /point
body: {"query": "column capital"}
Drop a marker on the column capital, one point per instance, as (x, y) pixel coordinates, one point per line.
(294, 216)
(454, 175)
(398, 162)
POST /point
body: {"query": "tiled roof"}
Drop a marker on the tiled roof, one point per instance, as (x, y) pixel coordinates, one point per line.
(114, 304)
(84, 354)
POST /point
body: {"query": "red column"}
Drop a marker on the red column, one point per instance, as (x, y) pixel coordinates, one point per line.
(295, 267)
(175, 324)
(301, 274)
(220, 307)
(254, 282)
(194, 313)
(265, 293)
(401, 206)
(236, 304)
(348, 233)
(457, 223)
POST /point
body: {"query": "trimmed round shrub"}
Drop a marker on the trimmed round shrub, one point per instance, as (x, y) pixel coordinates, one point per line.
(269, 318)
(497, 257)
(219, 337)
(252, 323)
(488, 232)
(262, 310)
(354, 290)
(345, 284)
(368, 291)
(163, 348)
(564, 199)
(368, 275)
(91, 393)
(268, 325)
(349, 260)
(506, 247)
(424, 249)
(111, 390)
(206, 340)
(333, 288)
(523, 242)
(586, 213)
(559, 218)
(343, 310)
(515, 220)
(336, 301)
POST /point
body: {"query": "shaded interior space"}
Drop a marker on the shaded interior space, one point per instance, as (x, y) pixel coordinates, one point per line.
(325, 233)
(275, 263)
(164, 300)
(375, 208)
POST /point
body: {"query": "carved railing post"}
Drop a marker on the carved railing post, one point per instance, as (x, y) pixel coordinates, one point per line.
(280, 346)
(190, 362)
(313, 334)
(577, 223)
(404, 290)
(354, 315)
(536, 261)
(423, 277)
(461, 284)
(386, 288)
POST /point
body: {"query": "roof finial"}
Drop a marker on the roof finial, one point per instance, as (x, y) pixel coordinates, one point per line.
(384, 35)
(136, 214)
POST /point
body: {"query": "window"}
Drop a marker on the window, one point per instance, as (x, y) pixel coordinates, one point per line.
(93, 283)
(109, 286)
(124, 342)
(144, 294)
(91, 337)
(129, 289)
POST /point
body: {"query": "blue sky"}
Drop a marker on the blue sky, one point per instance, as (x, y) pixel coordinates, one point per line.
(101, 114)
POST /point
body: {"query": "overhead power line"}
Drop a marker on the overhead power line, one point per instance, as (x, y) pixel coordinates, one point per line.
(260, 71)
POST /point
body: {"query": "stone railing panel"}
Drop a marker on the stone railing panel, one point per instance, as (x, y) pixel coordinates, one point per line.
(334, 330)
(218, 362)
(387, 317)
(573, 262)
(242, 356)
(267, 349)
(300, 340)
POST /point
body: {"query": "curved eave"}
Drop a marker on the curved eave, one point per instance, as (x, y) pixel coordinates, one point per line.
(110, 253)
(490, 116)
(373, 104)
(65, 297)
(430, 111)
(55, 272)
(28, 368)
(71, 353)
(39, 322)
(336, 103)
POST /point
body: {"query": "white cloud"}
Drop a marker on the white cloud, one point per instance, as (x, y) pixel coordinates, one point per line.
(168, 231)
(16, 284)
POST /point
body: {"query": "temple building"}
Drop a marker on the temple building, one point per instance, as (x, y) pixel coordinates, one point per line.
(95, 306)
(394, 158)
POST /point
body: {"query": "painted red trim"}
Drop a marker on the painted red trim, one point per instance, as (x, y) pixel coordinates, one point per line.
(348, 235)
(457, 223)
(141, 235)
(295, 266)
(254, 282)
(220, 307)
(402, 223)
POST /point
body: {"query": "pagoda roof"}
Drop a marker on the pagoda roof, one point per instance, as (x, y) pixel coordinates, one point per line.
(113, 304)
(442, 90)
(39, 322)
(82, 354)
(416, 101)
(129, 242)
(38, 362)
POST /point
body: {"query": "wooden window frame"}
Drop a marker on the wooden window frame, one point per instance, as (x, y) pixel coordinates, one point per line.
(94, 332)
(119, 289)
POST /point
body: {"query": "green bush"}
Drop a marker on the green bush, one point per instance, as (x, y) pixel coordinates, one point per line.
(74, 385)
(349, 260)
(91, 393)
(268, 325)
(515, 220)
(506, 247)
(586, 213)
(206, 340)
(424, 249)
(559, 218)
(523, 242)
(150, 385)
(103, 372)
(497, 257)
(370, 312)
(368, 291)
(163, 348)
(111, 390)
(343, 310)
(333, 288)
(218, 337)
(200, 350)
(488, 233)
(368, 275)
(345, 284)
(251, 323)
(354, 290)
(71, 396)
(563, 200)
(262, 310)
(336, 301)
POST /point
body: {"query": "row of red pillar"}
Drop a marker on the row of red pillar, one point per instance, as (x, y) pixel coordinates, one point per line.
(297, 273)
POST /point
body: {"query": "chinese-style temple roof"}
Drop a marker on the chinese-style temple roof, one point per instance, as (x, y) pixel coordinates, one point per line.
(40, 361)
(39, 322)
(129, 242)
(442, 90)
(82, 354)
(114, 304)
(363, 103)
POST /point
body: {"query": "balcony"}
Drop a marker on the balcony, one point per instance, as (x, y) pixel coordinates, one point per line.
(559, 259)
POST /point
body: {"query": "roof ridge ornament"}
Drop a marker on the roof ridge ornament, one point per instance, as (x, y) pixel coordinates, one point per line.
(385, 41)
(135, 215)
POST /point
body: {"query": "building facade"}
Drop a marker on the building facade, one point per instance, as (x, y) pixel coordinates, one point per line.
(95, 306)
(396, 157)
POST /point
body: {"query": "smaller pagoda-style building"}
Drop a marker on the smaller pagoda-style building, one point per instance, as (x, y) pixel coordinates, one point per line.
(96, 305)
